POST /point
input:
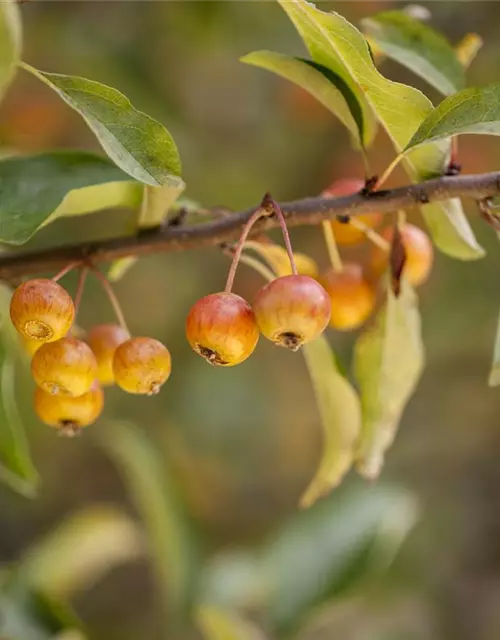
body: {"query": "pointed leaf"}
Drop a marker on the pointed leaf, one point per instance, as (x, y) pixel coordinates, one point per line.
(468, 48)
(418, 47)
(333, 41)
(388, 363)
(40, 188)
(10, 42)
(494, 379)
(327, 87)
(16, 467)
(118, 268)
(139, 145)
(340, 412)
(79, 552)
(451, 231)
(219, 624)
(156, 202)
(473, 110)
(173, 546)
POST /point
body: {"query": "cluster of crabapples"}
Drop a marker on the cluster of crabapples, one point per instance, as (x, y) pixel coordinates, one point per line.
(290, 310)
(70, 372)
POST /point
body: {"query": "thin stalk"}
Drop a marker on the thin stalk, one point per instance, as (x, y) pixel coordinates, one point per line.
(257, 265)
(69, 267)
(115, 303)
(79, 288)
(388, 172)
(331, 246)
(372, 235)
(239, 247)
(268, 199)
(401, 218)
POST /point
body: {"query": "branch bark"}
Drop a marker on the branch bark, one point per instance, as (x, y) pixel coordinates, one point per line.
(309, 211)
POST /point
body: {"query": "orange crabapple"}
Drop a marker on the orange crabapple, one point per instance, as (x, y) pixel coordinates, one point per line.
(419, 254)
(42, 310)
(345, 233)
(104, 339)
(222, 329)
(141, 365)
(65, 367)
(292, 310)
(352, 297)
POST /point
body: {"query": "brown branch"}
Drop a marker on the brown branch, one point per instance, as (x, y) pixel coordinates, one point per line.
(310, 211)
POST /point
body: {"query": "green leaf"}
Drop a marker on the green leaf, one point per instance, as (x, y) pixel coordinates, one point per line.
(333, 41)
(41, 188)
(451, 231)
(156, 203)
(388, 362)
(30, 615)
(418, 47)
(173, 545)
(16, 467)
(473, 110)
(340, 412)
(220, 624)
(139, 145)
(317, 556)
(79, 552)
(494, 379)
(10, 42)
(326, 86)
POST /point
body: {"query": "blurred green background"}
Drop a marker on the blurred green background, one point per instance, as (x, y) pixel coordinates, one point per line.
(243, 443)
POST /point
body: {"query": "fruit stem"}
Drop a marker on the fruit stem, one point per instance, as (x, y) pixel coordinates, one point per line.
(64, 271)
(387, 172)
(401, 218)
(264, 271)
(79, 288)
(258, 213)
(270, 203)
(372, 235)
(331, 246)
(115, 303)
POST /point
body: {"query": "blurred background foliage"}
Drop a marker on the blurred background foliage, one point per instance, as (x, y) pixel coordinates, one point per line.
(235, 448)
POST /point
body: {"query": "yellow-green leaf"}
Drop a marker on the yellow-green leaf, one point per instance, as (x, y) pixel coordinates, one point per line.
(80, 551)
(173, 546)
(494, 379)
(220, 624)
(475, 110)
(10, 41)
(139, 145)
(332, 41)
(327, 87)
(156, 203)
(388, 362)
(418, 47)
(468, 48)
(340, 412)
(40, 188)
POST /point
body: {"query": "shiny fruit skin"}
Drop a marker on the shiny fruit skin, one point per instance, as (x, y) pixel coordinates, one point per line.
(141, 365)
(222, 328)
(30, 347)
(352, 297)
(103, 340)
(419, 254)
(66, 367)
(292, 310)
(69, 415)
(42, 310)
(346, 234)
